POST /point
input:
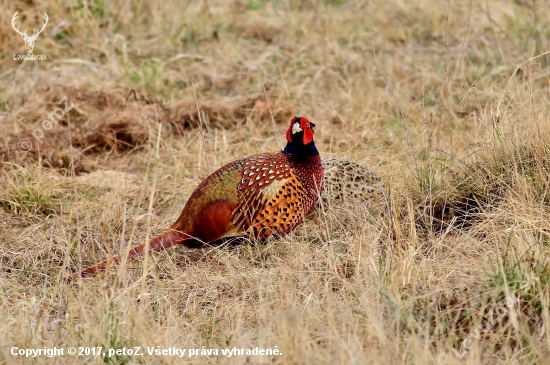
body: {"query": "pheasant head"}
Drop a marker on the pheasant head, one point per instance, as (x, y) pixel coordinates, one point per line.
(299, 136)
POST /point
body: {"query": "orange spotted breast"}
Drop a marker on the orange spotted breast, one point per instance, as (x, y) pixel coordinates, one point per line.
(276, 192)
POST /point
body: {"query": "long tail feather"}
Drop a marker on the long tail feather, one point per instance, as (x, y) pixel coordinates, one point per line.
(158, 243)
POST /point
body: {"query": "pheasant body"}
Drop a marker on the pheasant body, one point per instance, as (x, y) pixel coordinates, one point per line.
(259, 196)
(277, 190)
(346, 181)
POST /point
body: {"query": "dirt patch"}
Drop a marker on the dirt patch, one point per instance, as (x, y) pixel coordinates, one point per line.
(226, 113)
(80, 122)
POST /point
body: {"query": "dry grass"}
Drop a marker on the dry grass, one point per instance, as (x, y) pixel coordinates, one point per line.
(467, 223)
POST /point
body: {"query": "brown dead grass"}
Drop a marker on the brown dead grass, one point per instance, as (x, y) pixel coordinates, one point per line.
(466, 218)
(99, 122)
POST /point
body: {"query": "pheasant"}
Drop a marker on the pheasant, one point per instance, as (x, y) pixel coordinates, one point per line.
(346, 181)
(260, 196)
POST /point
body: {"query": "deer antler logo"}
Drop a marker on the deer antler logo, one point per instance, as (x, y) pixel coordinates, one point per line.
(29, 40)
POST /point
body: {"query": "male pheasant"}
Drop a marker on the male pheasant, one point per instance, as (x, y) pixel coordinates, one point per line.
(259, 196)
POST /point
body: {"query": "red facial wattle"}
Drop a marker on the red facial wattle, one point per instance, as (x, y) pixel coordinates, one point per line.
(289, 131)
(306, 127)
(308, 131)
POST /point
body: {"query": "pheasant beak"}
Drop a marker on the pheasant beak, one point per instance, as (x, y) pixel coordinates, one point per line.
(296, 128)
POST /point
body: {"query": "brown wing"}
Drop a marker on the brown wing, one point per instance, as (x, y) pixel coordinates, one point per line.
(207, 215)
(262, 176)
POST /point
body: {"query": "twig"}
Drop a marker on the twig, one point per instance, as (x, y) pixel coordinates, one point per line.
(271, 113)
(203, 144)
(512, 76)
(147, 101)
(465, 33)
(198, 108)
(401, 115)
(150, 214)
(453, 157)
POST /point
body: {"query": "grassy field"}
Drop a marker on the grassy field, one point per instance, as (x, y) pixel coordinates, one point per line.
(448, 101)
